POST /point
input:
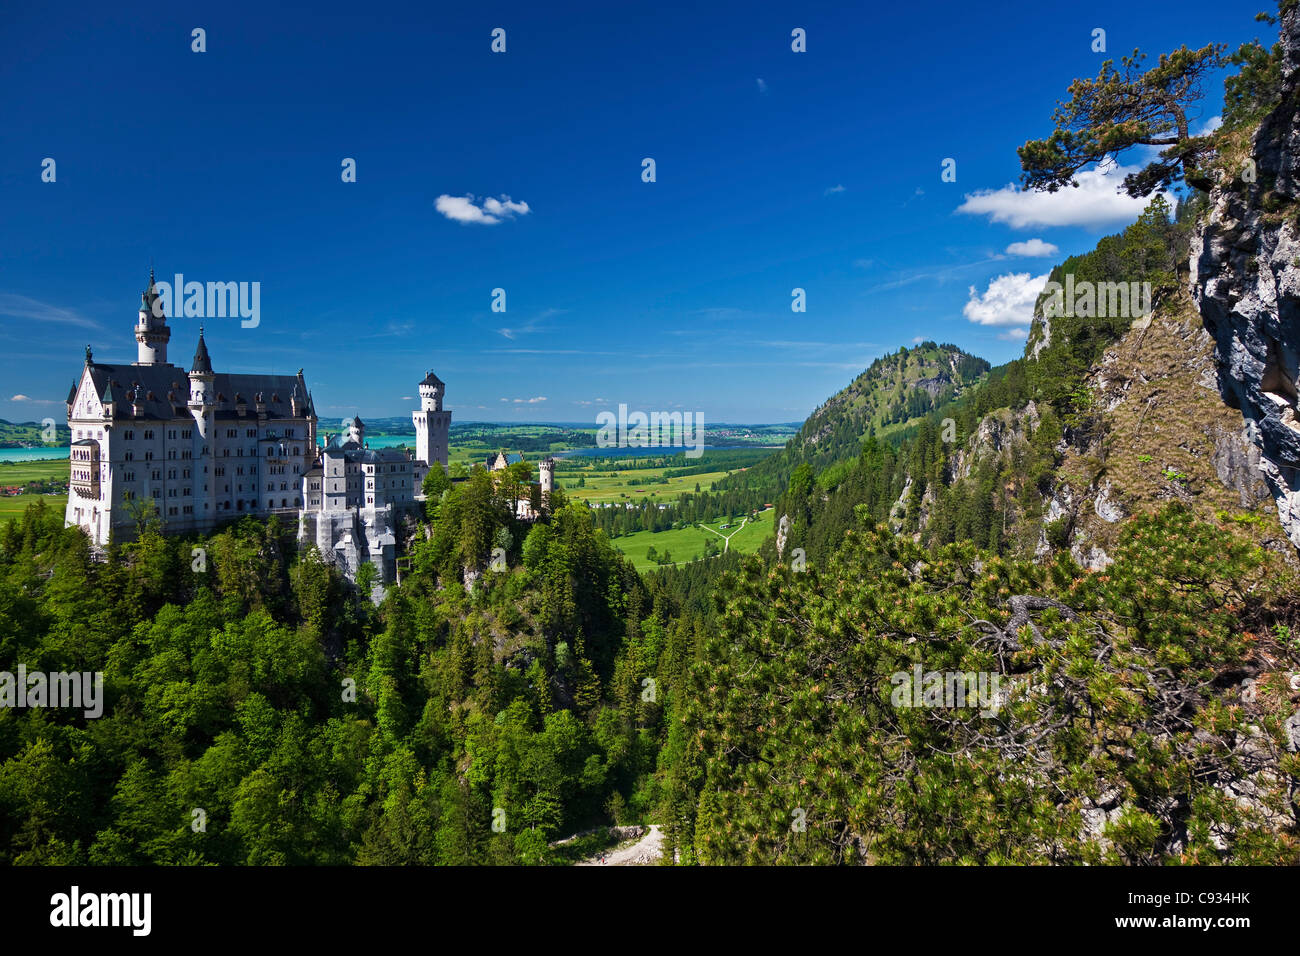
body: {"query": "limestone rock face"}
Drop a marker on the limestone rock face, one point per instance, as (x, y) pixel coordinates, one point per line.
(1246, 283)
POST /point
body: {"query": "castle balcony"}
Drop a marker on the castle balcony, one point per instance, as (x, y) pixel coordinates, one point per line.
(83, 480)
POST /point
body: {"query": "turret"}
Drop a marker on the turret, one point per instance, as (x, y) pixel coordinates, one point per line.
(431, 390)
(151, 332)
(356, 431)
(546, 470)
(202, 388)
(432, 424)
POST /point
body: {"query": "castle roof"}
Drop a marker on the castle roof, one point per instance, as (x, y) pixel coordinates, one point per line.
(355, 452)
(153, 383)
(510, 457)
(202, 363)
(149, 296)
(432, 379)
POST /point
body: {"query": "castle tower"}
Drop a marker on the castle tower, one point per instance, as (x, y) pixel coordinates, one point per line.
(202, 389)
(202, 406)
(432, 424)
(151, 332)
(546, 469)
(356, 431)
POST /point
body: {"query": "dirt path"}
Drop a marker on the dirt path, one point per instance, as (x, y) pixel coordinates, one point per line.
(726, 538)
(645, 851)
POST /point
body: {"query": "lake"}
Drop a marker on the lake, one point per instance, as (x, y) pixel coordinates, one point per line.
(629, 452)
(379, 441)
(34, 454)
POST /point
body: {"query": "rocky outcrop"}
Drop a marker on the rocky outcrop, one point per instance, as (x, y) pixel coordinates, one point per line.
(1246, 283)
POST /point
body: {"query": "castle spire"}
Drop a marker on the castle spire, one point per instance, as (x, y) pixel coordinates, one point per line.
(202, 362)
(151, 332)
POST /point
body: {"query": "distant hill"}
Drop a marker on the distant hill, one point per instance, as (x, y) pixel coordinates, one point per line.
(28, 434)
(890, 397)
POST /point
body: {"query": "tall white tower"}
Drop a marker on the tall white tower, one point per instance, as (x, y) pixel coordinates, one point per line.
(202, 405)
(202, 391)
(546, 471)
(151, 332)
(432, 424)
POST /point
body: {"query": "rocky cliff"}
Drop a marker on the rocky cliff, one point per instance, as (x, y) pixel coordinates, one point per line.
(1246, 284)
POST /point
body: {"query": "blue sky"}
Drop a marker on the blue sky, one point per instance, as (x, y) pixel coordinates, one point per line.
(775, 170)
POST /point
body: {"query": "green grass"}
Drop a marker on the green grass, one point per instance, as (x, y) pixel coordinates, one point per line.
(613, 486)
(684, 544)
(21, 472)
(13, 507)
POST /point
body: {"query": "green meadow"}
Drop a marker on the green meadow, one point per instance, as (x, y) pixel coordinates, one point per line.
(21, 472)
(685, 544)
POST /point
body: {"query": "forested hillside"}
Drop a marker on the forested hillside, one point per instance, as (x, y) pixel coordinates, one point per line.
(1088, 539)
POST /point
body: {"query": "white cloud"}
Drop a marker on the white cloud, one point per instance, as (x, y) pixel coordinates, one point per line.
(490, 212)
(762, 85)
(1034, 249)
(1095, 203)
(1008, 302)
(525, 401)
(1210, 125)
(20, 398)
(30, 310)
(35, 401)
(838, 188)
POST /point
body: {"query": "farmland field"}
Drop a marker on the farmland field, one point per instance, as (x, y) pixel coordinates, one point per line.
(13, 507)
(20, 473)
(685, 544)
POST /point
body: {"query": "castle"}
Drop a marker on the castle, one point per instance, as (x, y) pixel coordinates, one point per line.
(202, 446)
(205, 447)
